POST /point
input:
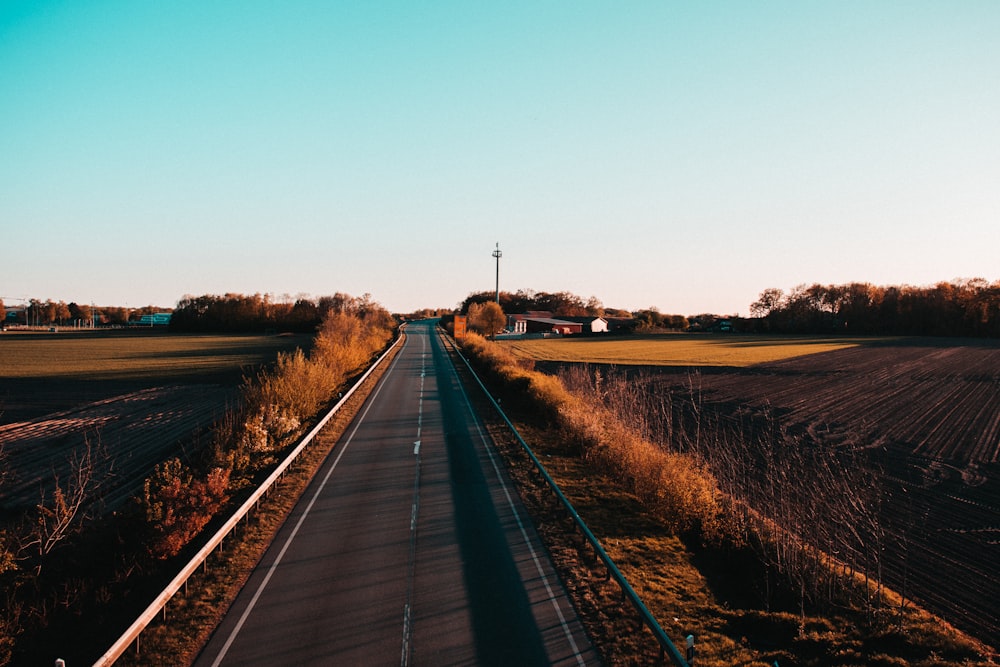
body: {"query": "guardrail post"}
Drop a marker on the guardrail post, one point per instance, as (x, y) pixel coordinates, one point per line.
(689, 656)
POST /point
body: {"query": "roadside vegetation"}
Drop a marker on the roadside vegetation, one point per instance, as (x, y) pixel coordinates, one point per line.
(709, 557)
(63, 562)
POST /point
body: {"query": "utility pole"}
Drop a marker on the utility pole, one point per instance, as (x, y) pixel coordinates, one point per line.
(498, 254)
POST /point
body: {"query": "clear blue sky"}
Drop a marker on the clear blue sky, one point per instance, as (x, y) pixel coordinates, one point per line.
(683, 155)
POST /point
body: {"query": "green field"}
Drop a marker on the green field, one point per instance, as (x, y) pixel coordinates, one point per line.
(677, 349)
(135, 355)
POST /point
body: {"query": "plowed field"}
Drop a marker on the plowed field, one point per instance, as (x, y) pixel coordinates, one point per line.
(129, 434)
(136, 398)
(928, 412)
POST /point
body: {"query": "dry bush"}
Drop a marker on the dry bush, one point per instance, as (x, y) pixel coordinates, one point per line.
(300, 386)
(178, 505)
(280, 401)
(347, 342)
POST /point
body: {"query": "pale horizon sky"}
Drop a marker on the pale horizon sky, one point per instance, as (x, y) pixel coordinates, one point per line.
(685, 156)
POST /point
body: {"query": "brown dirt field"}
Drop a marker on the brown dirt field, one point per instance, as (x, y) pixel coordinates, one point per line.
(928, 412)
(134, 412)
(129, 434)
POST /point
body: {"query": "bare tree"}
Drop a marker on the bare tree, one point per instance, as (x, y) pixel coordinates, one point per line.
(62, 514)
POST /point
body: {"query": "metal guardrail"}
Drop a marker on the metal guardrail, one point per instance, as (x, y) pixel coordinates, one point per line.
(667, 646)
(132, 634)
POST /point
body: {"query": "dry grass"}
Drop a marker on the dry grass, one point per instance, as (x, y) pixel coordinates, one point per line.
(677, 349)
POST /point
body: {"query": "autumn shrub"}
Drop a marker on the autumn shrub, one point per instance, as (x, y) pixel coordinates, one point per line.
(537, 395)
(347, 341)
(299, 386)
(178, 504)
(279, 402)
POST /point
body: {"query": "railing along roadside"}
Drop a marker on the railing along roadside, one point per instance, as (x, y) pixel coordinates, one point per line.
(132, 634)
(667, 647)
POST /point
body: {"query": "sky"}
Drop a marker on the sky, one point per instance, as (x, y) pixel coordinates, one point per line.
(678, 155)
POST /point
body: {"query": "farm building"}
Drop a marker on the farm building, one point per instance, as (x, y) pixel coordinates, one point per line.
(516, 322)
(545, 322)
(526, 325)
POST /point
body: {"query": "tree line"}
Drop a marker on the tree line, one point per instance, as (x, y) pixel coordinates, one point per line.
(960, 308)
(44, 313)
(261, 312)
(558, 303)
(227, 313)
(567, 304)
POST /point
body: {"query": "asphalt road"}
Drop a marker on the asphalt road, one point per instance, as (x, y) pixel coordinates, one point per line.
(410, 547)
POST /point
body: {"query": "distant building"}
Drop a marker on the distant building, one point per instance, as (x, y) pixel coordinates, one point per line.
(541, 321)
(517, 323)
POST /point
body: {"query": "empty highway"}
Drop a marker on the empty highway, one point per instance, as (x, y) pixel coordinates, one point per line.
(410, 547)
